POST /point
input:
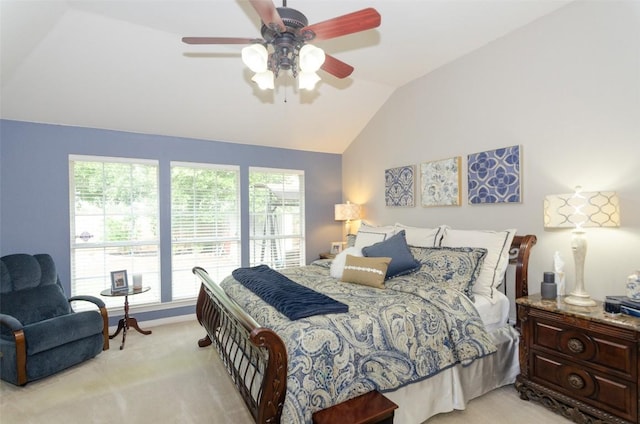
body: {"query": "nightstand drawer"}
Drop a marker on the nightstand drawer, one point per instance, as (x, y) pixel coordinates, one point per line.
(618, 397)
(604, 352)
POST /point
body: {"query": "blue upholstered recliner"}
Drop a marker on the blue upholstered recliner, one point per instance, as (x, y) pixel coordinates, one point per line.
(40, 334)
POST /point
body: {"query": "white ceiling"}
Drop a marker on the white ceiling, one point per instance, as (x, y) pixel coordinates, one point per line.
(121, 65)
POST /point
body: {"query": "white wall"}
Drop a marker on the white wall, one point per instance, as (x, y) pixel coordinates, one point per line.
(566, 88)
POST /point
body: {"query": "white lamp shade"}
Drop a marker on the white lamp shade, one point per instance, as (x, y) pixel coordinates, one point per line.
(310, 58)
(307, 80)
(264, 80)
(582, 209)
(347, 211)
(255, 56)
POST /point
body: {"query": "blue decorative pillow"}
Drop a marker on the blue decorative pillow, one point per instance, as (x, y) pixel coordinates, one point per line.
(396, 248)
(455, 267)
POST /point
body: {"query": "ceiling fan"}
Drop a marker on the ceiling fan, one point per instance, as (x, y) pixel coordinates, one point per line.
(284, 45)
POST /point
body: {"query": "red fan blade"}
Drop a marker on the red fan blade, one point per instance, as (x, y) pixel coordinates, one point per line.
(268, 14)
(336, 67)
(346, 24)
(216, 40)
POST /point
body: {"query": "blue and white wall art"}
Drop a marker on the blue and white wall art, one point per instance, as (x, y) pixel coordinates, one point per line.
(440, 182)
(494, 176)
(399, 186)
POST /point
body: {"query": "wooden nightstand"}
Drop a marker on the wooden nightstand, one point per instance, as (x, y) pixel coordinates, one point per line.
(327, 255)
(579, 361)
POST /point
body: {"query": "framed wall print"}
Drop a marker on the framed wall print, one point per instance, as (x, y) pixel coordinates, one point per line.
(494, 176)
(399, 186)
(440, 182)
(119, 281)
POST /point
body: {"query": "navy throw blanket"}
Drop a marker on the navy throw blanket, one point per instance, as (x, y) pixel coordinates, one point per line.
(288, 297)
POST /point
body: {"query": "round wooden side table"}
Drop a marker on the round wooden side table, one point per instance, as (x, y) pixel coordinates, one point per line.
(126, 321)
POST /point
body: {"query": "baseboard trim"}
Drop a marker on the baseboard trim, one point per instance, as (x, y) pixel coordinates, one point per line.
(162, 321)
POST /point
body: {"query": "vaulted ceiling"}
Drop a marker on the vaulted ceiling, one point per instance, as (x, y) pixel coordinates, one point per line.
(121, 65)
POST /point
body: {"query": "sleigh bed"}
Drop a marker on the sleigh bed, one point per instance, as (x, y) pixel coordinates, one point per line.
(286, 370)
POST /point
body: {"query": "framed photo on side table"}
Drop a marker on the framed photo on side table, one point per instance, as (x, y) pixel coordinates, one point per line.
(119, 281)
(336, 247)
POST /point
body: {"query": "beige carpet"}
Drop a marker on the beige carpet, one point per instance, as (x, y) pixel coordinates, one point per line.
(166, 378)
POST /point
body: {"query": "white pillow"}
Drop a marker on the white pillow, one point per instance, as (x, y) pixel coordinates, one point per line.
(496, 260)
(422, 237)
(337, 264)
(369, 235)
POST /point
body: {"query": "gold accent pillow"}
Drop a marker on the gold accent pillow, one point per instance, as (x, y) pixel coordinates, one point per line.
(366, 271)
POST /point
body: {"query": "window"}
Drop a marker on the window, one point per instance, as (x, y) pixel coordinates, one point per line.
(276, 208)
(205, 224)
(114, 225)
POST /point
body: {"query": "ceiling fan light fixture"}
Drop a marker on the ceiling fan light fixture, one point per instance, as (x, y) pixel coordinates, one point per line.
(255, 56)
(264, 80)
(307, 80)
(310, 58)
(283, 47)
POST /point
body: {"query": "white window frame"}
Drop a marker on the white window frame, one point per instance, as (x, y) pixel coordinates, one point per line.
(219, 264)
(273, 246)
(95, 280)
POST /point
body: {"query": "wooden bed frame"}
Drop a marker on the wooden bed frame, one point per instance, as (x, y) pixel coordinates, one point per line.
(256, 357)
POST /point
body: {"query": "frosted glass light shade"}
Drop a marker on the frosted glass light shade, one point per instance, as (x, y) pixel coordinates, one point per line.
(255, 56)
(307, 80)
(264, 80)
(310, 58)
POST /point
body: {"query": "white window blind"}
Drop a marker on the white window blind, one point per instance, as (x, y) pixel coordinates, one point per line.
(276, 209)
(114, 225)
(205, 224)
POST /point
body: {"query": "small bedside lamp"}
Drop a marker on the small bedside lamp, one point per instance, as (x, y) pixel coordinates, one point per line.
(580, 210)
(347, 212)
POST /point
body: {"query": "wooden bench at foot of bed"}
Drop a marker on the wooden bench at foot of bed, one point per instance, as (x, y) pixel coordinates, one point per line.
(369, 408)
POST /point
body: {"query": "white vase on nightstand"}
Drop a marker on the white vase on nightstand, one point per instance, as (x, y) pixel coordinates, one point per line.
(633, 286)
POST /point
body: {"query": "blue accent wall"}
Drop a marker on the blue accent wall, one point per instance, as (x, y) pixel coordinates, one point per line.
(34, 186)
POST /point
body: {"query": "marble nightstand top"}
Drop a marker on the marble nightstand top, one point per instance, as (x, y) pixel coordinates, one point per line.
(592, 313)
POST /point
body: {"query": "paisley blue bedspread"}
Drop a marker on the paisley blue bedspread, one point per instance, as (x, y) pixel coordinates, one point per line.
(389, 338)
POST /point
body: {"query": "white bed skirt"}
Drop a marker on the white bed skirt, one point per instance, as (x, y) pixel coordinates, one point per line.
(453, 388)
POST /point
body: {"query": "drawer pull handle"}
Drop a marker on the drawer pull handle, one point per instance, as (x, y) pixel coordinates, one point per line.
(575, 345)
(575, 381)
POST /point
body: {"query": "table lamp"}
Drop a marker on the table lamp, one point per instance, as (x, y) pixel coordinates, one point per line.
(581, 210)
(347, 212)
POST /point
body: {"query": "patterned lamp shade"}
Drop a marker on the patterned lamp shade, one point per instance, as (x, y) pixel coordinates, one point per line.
(347, 211)
(582, 209)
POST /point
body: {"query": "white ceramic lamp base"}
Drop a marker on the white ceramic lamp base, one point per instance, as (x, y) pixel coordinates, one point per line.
(579, 296)
(579, 300)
